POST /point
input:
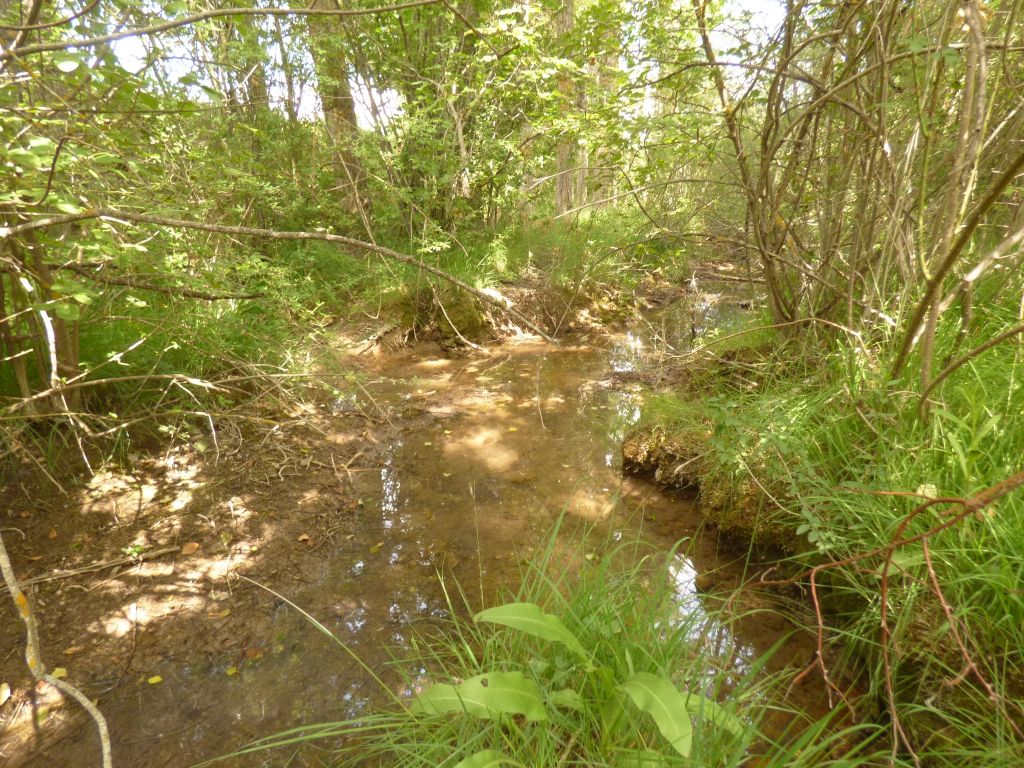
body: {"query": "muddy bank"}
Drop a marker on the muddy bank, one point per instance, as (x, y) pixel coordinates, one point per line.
(741, 508)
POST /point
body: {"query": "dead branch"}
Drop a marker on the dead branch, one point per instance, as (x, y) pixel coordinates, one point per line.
(34, 659)
(184, 21)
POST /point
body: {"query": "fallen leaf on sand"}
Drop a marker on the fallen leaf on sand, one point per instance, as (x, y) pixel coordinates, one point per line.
(190, 548)
(303, 537)
(52, 534)
(5, 693)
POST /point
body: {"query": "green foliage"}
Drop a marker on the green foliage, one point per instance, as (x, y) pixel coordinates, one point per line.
(600, 667)
(840, 457)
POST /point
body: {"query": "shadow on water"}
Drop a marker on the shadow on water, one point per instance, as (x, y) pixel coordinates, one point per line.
(482, 457)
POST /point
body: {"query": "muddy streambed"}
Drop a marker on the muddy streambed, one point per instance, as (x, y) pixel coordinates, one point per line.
(473, 461)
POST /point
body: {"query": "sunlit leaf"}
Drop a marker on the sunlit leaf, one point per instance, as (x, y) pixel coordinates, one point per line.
(486, 696)
(566, 698)
(67, 63)
(67, 311)
(531, 619)
(666, 704)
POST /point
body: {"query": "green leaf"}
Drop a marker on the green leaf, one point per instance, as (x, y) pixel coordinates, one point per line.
(663, 701)
(486, 696)
(66, 207)
(67, 311)
(529, 618)
(105, 158)
(566, 698)
(24, 158)
(705, 709)
(64, 285)
(917, 44)
(67, 63)
(487, 758)
(42, 146)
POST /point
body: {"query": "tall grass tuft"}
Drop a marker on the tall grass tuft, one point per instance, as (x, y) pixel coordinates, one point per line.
(604, 664)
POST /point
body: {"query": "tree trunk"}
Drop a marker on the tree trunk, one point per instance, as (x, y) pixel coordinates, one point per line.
(332, 74)
(565, 155)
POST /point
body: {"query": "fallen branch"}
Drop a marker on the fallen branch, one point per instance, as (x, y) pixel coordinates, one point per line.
(126, 560)
(34, 660)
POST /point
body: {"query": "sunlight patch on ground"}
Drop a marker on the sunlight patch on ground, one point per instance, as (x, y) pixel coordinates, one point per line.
(485, 445)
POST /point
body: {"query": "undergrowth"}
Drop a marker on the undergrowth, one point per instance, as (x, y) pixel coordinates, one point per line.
(829, 458)
(145, 357)
(603, 664)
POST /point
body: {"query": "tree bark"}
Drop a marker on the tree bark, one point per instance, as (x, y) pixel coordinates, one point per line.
(332, 74)
(565, 155)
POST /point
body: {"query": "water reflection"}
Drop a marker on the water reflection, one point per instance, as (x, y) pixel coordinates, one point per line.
(627, 354)
(483, 457)
(391, 486)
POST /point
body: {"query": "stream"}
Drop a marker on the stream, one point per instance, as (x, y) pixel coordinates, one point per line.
(484, 454)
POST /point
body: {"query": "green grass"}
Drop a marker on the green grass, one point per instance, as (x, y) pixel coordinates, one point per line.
(598, 665)
(817, 447)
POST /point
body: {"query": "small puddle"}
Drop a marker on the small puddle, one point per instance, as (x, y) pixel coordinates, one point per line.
(485, 454)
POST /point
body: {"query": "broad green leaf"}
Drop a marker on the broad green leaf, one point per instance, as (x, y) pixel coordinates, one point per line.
(66, 286)
(917, 44)
(43, 146)
(24, 158)
(105, 158)
(67, 311)
(485, 696)
(487, 758)
(529, 618)
(567, 698)
(663, 701)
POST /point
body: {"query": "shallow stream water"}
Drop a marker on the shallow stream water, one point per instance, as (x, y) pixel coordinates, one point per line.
(486, 453)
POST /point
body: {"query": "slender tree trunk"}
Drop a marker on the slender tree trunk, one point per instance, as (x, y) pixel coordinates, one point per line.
(332, 72)
(565, 155)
